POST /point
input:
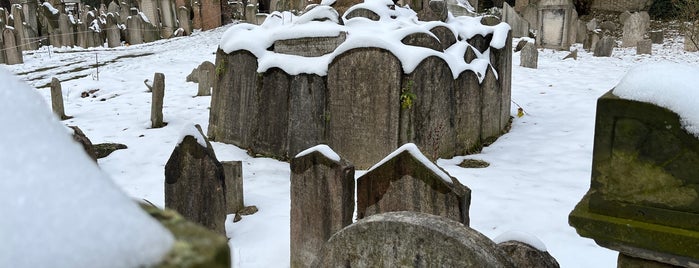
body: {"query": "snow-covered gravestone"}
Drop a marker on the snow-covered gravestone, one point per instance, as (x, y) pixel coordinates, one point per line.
(322, 201)
(194, 181)
(643, 199)
(407, 181)
(410, 239)
(58, 208)
(525, 250)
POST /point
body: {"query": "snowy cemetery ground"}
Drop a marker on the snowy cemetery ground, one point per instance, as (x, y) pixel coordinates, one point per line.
(538, 171)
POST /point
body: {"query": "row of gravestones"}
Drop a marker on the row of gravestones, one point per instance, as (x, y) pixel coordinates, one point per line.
(10, 50)
(449, 116)
(407, 208)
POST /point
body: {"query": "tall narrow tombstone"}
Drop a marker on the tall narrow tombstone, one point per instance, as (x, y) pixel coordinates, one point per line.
(204, 85)
(501, 59)
(134, 25)
(491, 100)
(149, 8)
(210, 14)
(272, 109)
(467, 95)
(183, 18)
(307, 120)
(194, 181)
(322, 201)
(410, 239)
(113, 33)
(66, 28)
(520, 27)
(529, 56)
(364, 107)
(407, 181)
(2, 49)
(168, 18)
(13, 52)
(233, 174)
(156, 112)
(635, 27)
(30, 9)
(18, 16)
(57, 99)
(82, 31)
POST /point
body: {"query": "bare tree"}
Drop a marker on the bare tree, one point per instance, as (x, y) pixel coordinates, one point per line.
(689, 15)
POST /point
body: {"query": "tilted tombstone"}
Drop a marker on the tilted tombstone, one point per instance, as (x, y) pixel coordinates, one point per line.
(406, 238)
(13, 51)
(112, 29)
(407, 181)
(57, 99)
(467, 109)
(635, 27)
(307, 117)
(149, 8)
(529, 56)
(183, 18)
(30, 9)
(605, 47)
(520, 27)
(194, 181)
(364, 129)
(501, 60)
(556, 21)
(644, 46)
(233, 173)
(322, 201)
(158, 93)
(2, 49)
(21, 34)
(234, 99)
(431, 114)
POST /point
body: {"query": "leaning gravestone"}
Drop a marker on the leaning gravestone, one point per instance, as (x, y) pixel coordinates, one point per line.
(158, 94)
(322, 201)
(407, 181)
(529, 56)
(410, 239)
(635, 27)
(57, 99)
(605, 47)
(194, 181)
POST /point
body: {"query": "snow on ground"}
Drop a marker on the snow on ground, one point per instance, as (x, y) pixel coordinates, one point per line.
(538, 171)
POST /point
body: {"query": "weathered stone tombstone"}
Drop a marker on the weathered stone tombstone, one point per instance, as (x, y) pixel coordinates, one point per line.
(66, 29)
(467, 93)
(251, 14)
(524, 255)
(309, 46)
(355, 120)
(194, 181)
(322, 201)
(642, 200)
(13, 51)
(57, 99)
(644, 46)
(134, 26)
(520, 27)
(168, 18)
(657, 36)
(406, 238)
(605, 47)
(407, 181)
(529, 56)
(557, 20)
(149, 8)
(233, 180)
(112, 30)
(183, 18)
(156, 112)
(530, 13)
(635, 27)
(204, 85)
(691, 38)
(591, 41)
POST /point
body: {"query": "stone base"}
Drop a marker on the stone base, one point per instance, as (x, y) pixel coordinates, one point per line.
(626, 261)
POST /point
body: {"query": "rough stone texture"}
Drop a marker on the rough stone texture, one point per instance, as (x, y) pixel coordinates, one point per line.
(608, 26)
(156, 110)
(168, 18)
(57, 99)
(363, 13)
(409, 239)
(501, 59)
(467, 95)
(322, 203)
(234, 99)
(657, 36)
(644, 47)
(626, 261)
(520, 27)
(195, 246)
(530, 13)
(150, 9)
(591, 41)
(134, 26)
(524, 255)
(556, 22)
(183, 18)
(405, 184)
(491, 101)
(635, 27)
(580, 32)
(605, 47)
(204, 83)
(309, 46)
(363, 107)
(446, 37)
(643, 197)
(210, 14)
(66, 29)
(422, 40)
(430, 117)
(691, 39)
(307, 117)
(81, 138)
(105, 149)
(251, 14)
(271, 136)
(621, 5)
(195, 184)
(233, 176)
(529, 56)
(13, 52)
(113, 33)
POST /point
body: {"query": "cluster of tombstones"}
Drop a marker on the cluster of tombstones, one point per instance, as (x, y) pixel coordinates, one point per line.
(29, 25)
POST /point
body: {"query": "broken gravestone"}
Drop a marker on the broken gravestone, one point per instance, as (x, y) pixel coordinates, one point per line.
(194, 181)
(407, 238)
(529, 56)
(322, 201)
(604, 47)
(407, 181)
(84, 141)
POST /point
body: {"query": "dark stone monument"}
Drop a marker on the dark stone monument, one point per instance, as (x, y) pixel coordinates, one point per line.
(57, 99)
(322, 201)
(604, 47)
(156, 110)
(233, 173)
(529, 56)
(195, 184)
